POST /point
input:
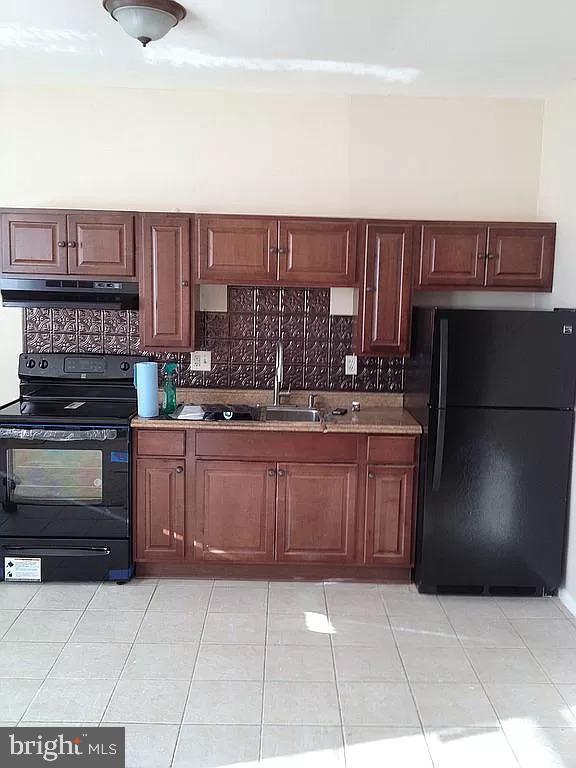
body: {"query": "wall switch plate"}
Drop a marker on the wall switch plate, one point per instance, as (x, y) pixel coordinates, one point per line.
(201, 360)
(350, 365)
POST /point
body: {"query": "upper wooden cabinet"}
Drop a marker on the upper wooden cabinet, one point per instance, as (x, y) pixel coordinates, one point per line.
(476, 256)
(236, 249)
(101, 244)
(166, 305)
(385, 301)
(520, 256)
(262, 250)
(317, 252)
(84, 243)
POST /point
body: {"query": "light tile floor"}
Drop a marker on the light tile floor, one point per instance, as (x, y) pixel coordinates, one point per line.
(209, 674)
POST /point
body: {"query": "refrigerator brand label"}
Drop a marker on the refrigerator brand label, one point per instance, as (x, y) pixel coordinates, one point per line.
(23, 569)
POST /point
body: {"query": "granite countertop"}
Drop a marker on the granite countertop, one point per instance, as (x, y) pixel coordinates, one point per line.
(386, 420)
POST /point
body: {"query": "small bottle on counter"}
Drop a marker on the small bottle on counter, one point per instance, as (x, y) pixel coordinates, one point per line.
(169, 400)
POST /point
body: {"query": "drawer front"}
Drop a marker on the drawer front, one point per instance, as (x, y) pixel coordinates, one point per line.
(279, 446)
(392, 450)
(160, 442)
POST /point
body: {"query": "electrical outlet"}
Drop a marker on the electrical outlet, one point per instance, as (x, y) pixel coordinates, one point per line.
(350, 365)
(201, 360)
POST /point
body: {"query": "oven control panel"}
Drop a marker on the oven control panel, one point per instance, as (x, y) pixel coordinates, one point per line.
(77, 366)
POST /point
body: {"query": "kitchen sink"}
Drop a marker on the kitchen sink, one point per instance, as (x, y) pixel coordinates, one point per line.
(290, 413)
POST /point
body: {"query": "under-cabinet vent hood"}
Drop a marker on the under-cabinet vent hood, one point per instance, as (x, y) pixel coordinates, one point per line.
(95, 294)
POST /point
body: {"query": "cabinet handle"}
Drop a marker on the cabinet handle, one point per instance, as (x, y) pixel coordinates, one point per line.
(482, 256)
(281, 473)
(490, 255)
(370, 289)
(184, 283)
(271, 473)
(62, 243)
(72, 244)
(179, 470)
(273, 249)
(281, 250)
(371, 475)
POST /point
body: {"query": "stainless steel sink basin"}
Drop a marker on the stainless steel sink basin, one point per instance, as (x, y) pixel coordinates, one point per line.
(290, 413)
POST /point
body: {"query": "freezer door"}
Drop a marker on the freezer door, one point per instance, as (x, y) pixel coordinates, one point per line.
(495, 497)
(497, 358)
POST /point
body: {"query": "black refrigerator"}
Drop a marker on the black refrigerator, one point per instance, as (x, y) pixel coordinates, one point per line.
(495, 392)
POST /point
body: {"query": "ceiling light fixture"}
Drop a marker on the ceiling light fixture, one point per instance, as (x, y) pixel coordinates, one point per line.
(146, 20)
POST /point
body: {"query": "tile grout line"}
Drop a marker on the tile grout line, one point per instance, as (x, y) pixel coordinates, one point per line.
(481, 684)
(177, 741)
(261, 740)
(336, 683)
(409, 684)
(64, 644)
(116, 684)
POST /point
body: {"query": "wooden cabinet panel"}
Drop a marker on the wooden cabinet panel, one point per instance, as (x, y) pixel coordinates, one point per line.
(452, 255)
(159, 506)
(236, 250)
(277, 446)
(521, 256)
(387, 291)
(101, 244)
(317, 252)
(160, 442)
(166, 311)
(316, 513)
(34, 243)
(235, 506)
(389, 511)
(387, 449)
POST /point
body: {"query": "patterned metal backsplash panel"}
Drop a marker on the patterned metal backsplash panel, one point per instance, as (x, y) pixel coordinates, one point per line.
(242, 341)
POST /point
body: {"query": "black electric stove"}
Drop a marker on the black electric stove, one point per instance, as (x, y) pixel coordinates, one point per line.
(65, 468)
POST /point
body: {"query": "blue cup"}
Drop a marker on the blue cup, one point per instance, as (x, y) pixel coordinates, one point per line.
(146, 383)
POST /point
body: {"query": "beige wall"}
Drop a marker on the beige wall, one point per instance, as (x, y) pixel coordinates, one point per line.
(259, 152)
(558, 201)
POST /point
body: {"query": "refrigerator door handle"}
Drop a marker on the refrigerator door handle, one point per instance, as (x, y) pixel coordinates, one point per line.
(439, 450)
(443, 372)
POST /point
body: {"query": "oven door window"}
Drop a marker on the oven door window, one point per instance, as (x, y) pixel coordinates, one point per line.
(53, 475)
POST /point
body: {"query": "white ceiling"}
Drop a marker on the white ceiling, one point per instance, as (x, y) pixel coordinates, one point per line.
(431, 47)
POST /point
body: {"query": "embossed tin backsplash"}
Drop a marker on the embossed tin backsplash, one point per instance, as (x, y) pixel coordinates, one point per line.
(242, 341)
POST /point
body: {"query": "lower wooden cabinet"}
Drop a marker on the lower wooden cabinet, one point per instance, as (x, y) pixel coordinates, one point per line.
(349, 501)
(316, 513)
(159, 503)
(389, 514)
(235, 510)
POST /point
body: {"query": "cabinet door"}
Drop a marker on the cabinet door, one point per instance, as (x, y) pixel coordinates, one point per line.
(159, 510)
(387, 291)
(34, 243)
(237, 250)
(389, 511)
(521, 256)
(316, 513)
(101, 244)
(317, 252)
(452, 255)
(235, 505)
(166, 312)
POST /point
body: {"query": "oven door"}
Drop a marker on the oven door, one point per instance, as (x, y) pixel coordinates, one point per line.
(61, 482)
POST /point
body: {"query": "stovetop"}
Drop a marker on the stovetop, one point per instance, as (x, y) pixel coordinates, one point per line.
(74, 389)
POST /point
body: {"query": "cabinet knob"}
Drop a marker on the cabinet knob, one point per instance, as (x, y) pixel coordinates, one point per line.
(72, 244)
(281, 250)
(482, 256)
(271, 473)
(371, 475)
(370, 289)
(490, 255)
(281, 473)
(273, 249)
(184, 283)
(179, 470)
(62, 243)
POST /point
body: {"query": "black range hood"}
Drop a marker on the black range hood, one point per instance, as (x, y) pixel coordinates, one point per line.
(88, 294)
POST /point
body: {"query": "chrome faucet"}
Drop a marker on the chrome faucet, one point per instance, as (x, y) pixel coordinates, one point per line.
(279, 372)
